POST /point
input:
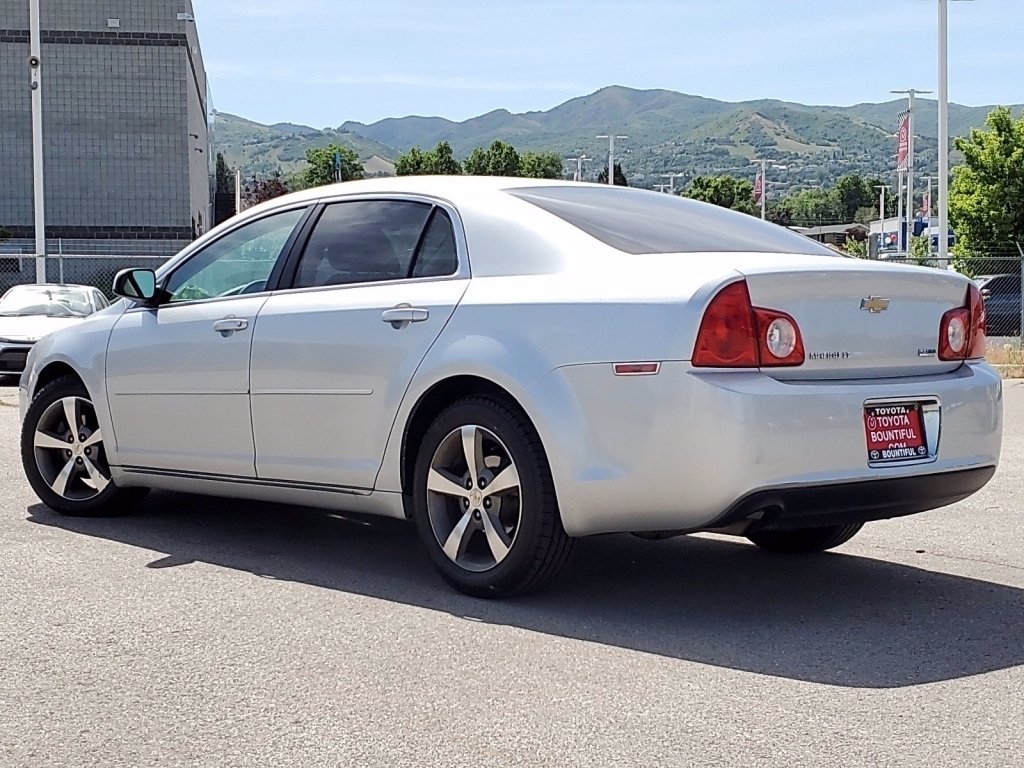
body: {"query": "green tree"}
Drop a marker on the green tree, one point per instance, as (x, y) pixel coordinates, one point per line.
(920, 249)
(411, 163)
(260, 190)
(813, 208)
(542, 165)
(857, 248)
(499, 159)
(440, 161)
(327, 164)
(620, 177)
(986, 199)
(724, 191)
(854, 192)
(225, 178)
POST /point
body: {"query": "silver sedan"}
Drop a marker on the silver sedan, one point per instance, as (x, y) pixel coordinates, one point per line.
(514, 363)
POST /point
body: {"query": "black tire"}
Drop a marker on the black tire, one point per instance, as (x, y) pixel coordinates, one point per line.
(540, 546)
(803, 541)
(106, 502)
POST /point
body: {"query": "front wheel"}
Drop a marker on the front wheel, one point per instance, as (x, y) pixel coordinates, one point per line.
(484, 501)
(63, 454)
(805, 540)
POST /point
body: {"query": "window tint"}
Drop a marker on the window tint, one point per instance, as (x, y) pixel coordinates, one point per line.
(363, 241)
(437, 256)
(240, 262)
(637, 221)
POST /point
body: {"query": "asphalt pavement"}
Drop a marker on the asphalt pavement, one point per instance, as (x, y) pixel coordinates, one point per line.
(201, 632)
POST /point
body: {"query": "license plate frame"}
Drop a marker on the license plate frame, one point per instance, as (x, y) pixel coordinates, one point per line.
(896, 433)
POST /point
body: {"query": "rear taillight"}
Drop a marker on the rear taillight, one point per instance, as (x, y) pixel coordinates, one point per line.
(962, 330)
(976, 304)
(735, 334)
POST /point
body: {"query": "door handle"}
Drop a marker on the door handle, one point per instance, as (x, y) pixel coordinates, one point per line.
(230, 325)
(403, 314)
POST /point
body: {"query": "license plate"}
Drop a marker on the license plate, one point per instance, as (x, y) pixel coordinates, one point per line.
(894, 433)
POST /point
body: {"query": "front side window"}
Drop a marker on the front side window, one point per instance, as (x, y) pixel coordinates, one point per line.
(238, 263)
(363, 241)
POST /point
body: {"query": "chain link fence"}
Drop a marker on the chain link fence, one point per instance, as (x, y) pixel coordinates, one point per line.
(80, 266)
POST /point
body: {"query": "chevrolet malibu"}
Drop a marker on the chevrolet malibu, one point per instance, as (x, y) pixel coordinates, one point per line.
(512, 364)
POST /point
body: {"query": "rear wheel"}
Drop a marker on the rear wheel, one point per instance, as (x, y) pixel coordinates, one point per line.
(64, 457)
(805, 540)
(484, 501)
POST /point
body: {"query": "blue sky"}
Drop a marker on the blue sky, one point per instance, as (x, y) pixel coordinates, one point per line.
(321, 62)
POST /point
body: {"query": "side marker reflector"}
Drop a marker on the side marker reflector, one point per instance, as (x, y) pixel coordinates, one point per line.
(636, 369)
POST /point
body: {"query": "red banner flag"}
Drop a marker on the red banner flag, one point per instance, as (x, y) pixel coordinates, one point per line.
(903, 146)
(758, 187)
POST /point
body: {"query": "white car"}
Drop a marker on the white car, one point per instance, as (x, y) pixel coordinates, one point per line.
(514, 363)
(29, 312)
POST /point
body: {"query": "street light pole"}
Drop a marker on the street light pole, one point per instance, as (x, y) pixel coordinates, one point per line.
(38, 191)
(672, 180)
(611, 153)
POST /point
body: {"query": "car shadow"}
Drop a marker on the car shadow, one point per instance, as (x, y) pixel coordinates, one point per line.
(834, 619)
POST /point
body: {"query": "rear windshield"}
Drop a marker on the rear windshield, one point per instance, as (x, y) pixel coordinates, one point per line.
(637, 221)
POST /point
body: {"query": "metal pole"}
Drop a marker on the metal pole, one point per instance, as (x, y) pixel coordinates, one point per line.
(944, 135)
(881, 212)
(611, 153)
(899, 213)
(38, 192)
(764, 189)
(1021, 250)
(611, 163)
(238, 191)
(910, 170)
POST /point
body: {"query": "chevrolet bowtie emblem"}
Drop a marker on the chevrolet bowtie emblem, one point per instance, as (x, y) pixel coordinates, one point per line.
(874, 304)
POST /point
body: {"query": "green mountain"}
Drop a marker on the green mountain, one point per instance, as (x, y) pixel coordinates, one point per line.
(667, 132)
(263, 149)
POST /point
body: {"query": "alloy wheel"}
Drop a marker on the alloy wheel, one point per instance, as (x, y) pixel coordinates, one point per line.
(474, 502)
(68, 448)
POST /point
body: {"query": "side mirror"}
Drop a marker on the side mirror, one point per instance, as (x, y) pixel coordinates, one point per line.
(136, 284)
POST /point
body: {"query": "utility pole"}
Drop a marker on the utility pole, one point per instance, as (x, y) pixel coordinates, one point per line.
(238, 191)
(911, 93)
(611, 153)
(672, 180)
(38, 190)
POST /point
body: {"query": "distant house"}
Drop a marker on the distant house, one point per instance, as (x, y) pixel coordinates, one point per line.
(834, 234)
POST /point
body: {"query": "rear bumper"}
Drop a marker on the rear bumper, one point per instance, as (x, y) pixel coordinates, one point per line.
(859, 502)
(688, 450)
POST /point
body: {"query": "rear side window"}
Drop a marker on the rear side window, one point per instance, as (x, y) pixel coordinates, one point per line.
(437, 256)
(637, 221)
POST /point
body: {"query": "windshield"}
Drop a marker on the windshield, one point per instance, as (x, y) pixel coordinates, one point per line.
(27, 301)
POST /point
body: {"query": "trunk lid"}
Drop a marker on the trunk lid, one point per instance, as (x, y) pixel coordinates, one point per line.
(858, 319)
